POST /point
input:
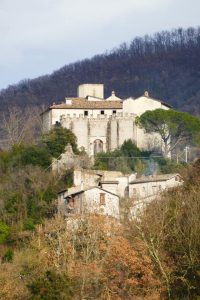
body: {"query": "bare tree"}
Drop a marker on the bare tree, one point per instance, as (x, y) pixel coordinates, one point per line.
(20, 126)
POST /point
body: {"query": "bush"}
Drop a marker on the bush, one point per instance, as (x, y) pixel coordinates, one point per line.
(170, 227)
(29, 224)
(124, 159)
(57, 139)
(4, 232)
(20, 156)
(8, 256)
(51, 286)
(167, 166)
(129, 149)
(36, 156)
(28, 196)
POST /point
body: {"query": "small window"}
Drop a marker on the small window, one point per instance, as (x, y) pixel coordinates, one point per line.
(71, 202)
(70, 205)
(86, 113)
(57, 124)
(102, 199)
(114, 112)
(102, 112)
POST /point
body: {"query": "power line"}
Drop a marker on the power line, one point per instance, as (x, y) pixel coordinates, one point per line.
(130, 157)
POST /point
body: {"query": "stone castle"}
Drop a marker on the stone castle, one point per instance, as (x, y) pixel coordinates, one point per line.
(103, 124)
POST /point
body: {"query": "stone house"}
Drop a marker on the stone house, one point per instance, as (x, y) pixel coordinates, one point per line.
(113, 181)
(89, 200)
(91, 186)
(145, 189)
(103, 124)
(148, 186)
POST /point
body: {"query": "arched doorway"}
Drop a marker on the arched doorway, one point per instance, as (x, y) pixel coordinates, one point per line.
(98, 146)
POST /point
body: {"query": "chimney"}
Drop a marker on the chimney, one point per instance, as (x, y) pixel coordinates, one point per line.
(68, 101)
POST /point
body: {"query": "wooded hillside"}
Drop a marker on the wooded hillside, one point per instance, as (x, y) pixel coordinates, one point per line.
(166, 64)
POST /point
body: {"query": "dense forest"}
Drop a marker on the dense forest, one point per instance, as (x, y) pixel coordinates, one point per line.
(166, 64)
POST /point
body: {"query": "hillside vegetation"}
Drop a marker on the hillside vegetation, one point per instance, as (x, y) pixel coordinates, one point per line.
(91, 256)
(166, 64)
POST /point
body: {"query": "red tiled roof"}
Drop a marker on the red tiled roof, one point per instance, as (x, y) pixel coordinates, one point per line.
(82, 103)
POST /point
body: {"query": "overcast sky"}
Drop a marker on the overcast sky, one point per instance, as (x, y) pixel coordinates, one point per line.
(40, 36)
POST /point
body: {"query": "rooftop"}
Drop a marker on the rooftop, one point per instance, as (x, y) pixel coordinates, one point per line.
(157, 100)
(153, 178)
(82, 190)
(82, 103)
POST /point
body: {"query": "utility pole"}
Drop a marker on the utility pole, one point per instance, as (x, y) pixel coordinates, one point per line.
(177, 157)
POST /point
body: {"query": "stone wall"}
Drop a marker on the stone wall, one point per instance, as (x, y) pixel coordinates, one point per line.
(112, 130)
(68, 160)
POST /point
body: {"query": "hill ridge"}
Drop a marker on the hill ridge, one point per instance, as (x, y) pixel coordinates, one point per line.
(167, 64)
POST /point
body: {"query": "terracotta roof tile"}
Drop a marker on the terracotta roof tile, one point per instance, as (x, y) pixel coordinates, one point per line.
(81, 103)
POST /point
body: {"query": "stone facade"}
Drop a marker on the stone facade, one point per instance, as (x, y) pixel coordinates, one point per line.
(89, 200)
(102, 133)
(89, 185)
(103, 124)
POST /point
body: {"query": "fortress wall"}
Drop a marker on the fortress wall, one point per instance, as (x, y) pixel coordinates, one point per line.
(126, 130)
(56, 114)
(113, 135)
(76, 113)
(80, 129)
(112, 131)
(98, 128)
(148, 141)
(66, 122)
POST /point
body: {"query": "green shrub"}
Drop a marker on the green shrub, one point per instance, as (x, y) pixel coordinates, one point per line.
(57, 139)
(4, 232)
(36, 156)
(167, 166)
(51, 286)
(29, 224)
(8, 256)
(124, 159)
